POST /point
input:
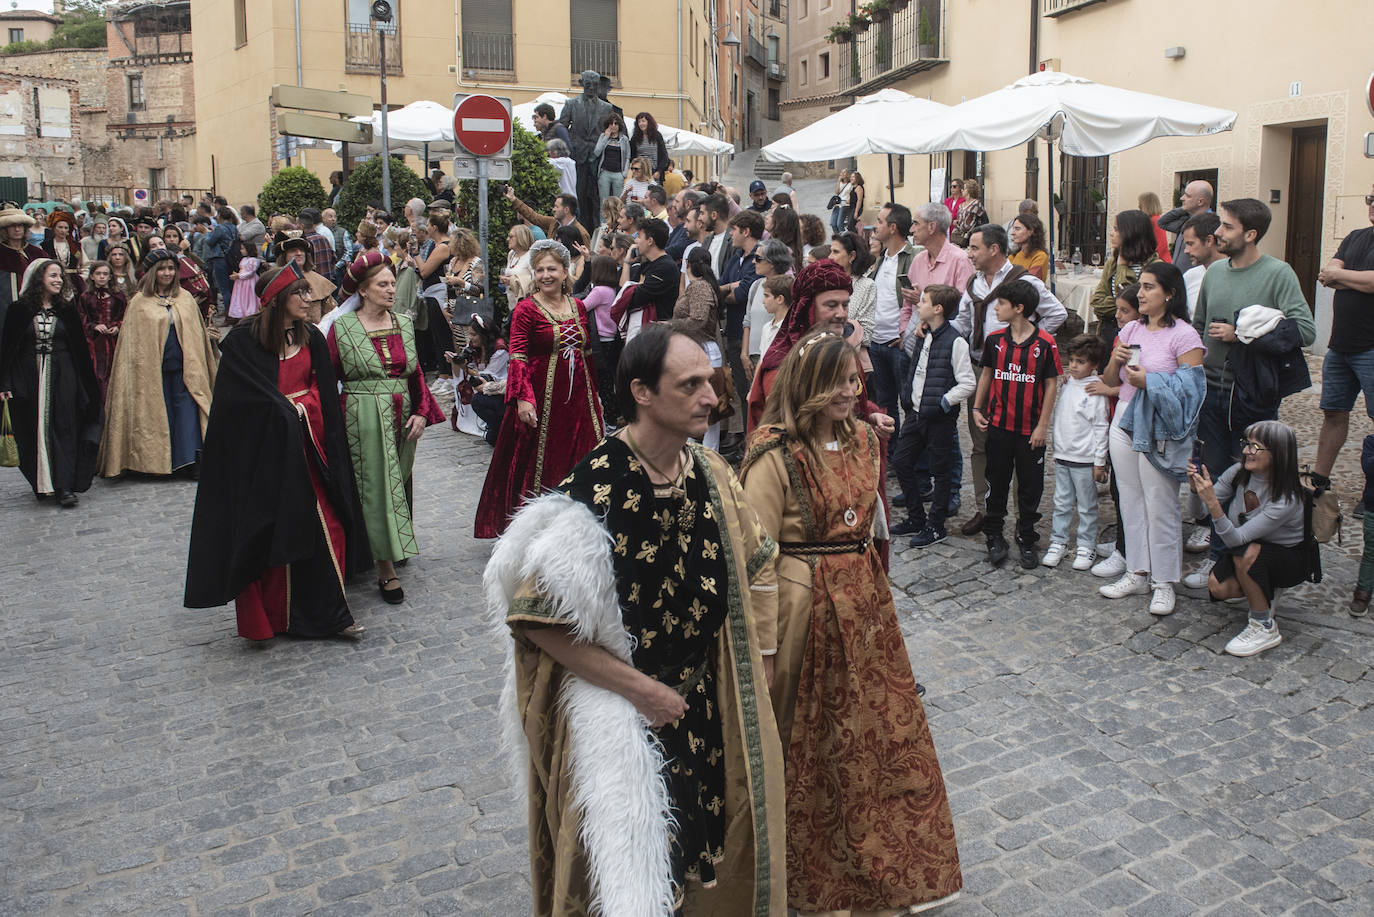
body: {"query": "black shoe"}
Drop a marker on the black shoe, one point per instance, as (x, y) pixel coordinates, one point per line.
(907, 526)
(1030, 558)
(391, 596)
(920, 690)
(997, 550)
(898, 501)
(928, 536)
(66, 499)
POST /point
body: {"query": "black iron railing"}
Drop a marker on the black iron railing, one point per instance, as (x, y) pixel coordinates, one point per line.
(489, 51)
(900, 43)
(600, 55)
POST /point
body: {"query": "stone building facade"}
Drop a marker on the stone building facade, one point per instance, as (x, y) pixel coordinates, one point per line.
(40, 131)
(134, 112)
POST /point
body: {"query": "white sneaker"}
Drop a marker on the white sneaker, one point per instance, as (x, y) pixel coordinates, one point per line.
(1129, 584)
(1162, 602)
(1198, 578)
(1111, 565)
(1199, 541)
(1256, 638)
(1083, 559)
(1054, 555)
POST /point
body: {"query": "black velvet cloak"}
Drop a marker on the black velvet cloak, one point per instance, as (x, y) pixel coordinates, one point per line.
(255, 506)
(75, 408)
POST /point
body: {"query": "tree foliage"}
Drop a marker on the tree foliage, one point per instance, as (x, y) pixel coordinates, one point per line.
(535, 182)
(291, 190)
(365, 184)
(82, 26)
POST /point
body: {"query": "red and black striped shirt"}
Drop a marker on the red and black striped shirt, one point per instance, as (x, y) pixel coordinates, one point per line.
(1020, 374)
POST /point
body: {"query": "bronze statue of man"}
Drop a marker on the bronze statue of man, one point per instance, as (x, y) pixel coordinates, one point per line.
(584, 117)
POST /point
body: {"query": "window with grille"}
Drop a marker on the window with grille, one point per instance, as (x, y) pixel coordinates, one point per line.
(488, 39)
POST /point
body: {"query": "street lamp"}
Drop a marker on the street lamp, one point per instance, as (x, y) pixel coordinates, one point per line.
(381, 14)
(731, 41)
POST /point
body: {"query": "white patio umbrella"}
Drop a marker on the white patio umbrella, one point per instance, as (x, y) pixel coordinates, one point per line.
(418, 129)
(850, 131)
(688, 143)
(1085, 118)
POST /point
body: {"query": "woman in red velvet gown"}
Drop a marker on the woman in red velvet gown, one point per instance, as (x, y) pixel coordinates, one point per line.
(101, 308)
(279, 545)
(553, 414)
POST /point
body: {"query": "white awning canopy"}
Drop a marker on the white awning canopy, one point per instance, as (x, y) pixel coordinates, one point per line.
(850, 132)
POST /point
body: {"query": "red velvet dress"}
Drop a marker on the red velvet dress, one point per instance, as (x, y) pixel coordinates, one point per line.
(101, 307)
(550, 367)
(312, 589)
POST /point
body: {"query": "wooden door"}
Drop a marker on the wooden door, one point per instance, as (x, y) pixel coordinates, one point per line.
(1306, 196)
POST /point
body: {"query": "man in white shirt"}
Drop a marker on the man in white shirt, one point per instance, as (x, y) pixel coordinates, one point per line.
(1200, 244)
(890, 362)
(977, 318)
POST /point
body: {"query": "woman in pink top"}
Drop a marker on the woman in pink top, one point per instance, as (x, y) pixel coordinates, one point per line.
(605, 282)
(1160, 341)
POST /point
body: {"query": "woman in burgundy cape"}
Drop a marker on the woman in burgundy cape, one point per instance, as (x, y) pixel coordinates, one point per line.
(277, 525)
(553, 415)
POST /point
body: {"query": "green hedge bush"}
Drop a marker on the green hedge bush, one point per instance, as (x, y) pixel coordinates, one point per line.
(290, 191)
(365, 184)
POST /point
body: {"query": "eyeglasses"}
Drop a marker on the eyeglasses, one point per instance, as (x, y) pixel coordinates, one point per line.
(1250, 446)
(758, 258)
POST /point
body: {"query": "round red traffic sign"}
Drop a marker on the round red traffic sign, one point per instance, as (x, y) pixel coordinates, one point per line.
(1369, 93)
(481, 125)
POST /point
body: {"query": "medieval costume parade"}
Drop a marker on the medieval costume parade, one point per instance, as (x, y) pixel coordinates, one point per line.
(54, 397)
(553, 414)
(854, 733)
(279, 545)
(386, 406)
(158, 401)
(676, 583)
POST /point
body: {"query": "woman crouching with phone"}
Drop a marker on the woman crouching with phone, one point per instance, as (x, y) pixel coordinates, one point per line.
(1257, 510)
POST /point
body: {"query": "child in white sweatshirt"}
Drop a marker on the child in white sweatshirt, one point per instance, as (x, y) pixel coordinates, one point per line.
(1080, 453)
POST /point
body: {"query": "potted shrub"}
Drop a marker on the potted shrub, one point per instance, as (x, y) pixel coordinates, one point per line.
(876, 11)
(925, 38)
(858, 23)
(840, 33)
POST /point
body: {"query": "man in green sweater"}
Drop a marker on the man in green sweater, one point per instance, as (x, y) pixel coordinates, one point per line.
(1244, 278)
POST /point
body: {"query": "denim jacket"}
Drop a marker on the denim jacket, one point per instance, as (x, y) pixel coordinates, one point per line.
(1162, 418)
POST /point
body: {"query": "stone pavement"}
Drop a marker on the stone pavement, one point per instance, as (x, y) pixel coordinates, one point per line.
(1099, 761)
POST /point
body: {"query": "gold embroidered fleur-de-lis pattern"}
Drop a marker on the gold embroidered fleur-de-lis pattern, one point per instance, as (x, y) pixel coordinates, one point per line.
(670, 564)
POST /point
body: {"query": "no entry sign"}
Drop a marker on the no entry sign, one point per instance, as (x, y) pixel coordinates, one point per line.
(481, 125)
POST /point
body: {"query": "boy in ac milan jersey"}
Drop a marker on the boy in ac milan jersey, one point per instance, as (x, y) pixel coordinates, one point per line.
(1014, 403)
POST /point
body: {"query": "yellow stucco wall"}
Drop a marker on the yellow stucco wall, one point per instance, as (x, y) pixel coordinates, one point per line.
(1244, 62)
(232, 85)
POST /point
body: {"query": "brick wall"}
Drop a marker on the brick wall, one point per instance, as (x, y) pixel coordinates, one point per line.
(24, 148)
(84, 65)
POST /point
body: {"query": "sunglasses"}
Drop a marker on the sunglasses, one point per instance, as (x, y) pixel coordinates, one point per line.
(1369, 199)
(1249, 446)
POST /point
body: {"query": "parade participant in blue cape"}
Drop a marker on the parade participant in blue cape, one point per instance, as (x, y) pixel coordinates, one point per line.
(277, 526)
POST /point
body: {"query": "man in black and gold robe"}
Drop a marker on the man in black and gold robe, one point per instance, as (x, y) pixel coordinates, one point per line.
(642, 599)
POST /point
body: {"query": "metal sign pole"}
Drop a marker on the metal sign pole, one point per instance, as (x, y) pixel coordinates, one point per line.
(482, 221)
(386, 147)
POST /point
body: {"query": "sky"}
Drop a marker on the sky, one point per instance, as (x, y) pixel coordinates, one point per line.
(44, 5)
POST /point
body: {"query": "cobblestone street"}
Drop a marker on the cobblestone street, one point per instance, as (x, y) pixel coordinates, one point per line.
(1099, 760)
